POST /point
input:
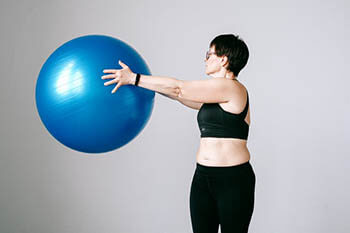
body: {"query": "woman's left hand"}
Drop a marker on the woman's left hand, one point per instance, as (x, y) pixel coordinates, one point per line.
(122, 76)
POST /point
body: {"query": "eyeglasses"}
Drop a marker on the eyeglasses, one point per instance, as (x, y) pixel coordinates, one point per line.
(207, 55)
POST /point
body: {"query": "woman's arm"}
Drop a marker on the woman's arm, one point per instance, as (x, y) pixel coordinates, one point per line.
(213, 90)
(163, 85)
(190, 104)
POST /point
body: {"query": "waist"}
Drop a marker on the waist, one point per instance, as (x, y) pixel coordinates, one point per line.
(222, 151)
(216, 142)
(224, 170)
(222, 146)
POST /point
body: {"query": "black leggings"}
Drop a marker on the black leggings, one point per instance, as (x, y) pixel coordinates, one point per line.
(222, 195)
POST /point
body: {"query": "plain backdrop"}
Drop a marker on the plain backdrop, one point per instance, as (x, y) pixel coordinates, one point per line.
(298, 86)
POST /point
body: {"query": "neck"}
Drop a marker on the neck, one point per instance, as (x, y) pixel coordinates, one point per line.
(224, 73)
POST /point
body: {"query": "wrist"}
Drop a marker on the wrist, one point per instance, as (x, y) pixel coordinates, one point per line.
(133, 79)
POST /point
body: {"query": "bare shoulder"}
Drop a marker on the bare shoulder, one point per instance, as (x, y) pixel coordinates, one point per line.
(239, 96)
(240, 89)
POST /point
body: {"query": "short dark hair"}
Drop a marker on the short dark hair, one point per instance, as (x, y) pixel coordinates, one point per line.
(234, 49)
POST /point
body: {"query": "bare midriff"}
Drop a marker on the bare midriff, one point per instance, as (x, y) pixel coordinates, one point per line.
(222, 151)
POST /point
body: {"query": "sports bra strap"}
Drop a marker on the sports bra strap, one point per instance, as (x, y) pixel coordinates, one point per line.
(245, 111)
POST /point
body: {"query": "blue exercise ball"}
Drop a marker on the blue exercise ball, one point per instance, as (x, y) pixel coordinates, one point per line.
(75, 106)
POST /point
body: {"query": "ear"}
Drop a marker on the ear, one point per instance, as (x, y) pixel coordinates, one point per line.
(224, 61)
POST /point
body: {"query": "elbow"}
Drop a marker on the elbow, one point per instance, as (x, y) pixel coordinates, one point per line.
(178, 89)
(177, 92)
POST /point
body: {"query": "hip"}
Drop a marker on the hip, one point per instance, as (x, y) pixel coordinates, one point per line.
(239, 169)
(224, 179)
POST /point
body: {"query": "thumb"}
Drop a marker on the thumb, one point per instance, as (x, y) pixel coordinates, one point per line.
(122, 64)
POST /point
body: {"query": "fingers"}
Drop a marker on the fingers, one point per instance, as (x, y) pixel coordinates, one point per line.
(116, 87)
(113, 76)
(109, 71)
(108, 76)
(111, 82)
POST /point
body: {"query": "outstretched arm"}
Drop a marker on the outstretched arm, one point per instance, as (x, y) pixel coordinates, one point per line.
(188, 103)
(213, 90)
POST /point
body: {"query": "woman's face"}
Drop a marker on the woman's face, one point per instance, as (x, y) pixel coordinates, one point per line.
(212, 62)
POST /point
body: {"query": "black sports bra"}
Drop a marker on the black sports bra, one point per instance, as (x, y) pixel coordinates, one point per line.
(214, 121)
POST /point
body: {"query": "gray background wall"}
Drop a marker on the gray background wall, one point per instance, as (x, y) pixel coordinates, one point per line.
(299, 136)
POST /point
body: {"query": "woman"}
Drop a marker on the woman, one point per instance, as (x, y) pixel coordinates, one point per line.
(223, 185)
